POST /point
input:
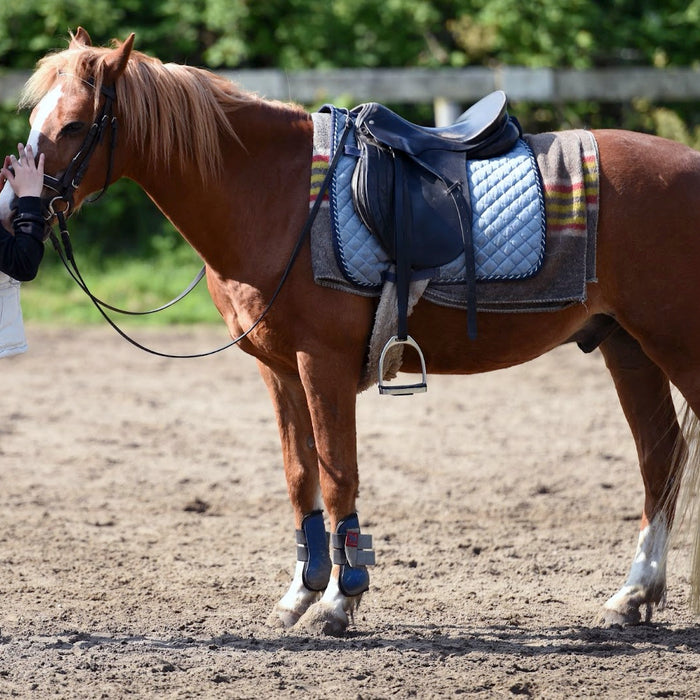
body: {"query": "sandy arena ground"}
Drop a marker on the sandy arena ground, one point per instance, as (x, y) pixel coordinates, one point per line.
(146, 534)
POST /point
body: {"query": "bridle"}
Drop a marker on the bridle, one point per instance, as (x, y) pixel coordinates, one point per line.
(65, 187)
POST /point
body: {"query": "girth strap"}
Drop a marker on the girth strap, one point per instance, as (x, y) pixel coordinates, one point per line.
(463, 206)
(402, 224)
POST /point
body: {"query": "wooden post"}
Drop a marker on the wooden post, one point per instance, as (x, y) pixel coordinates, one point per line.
(446, 111)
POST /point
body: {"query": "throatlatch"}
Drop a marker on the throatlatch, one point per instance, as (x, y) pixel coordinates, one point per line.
(353, 551)
(312, 549)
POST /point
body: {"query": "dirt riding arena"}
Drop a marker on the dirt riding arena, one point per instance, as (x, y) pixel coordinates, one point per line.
(146, 534)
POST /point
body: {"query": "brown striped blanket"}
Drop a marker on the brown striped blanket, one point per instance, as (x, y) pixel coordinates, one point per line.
(568, 164)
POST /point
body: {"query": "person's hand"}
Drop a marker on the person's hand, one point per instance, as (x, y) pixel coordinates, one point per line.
(24, 174)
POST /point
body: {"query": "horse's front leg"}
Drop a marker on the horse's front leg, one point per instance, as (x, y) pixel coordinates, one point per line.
(331, 390)
(313, 564)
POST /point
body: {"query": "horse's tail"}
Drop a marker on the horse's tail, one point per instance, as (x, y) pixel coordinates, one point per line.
(688, 504)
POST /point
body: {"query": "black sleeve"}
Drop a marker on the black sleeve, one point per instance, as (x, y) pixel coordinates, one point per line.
(21, 254)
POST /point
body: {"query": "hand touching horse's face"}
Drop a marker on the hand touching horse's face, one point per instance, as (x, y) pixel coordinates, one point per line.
(40, 115)
(64, 122)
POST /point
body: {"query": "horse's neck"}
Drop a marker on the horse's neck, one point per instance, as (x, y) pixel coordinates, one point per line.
(263, 188)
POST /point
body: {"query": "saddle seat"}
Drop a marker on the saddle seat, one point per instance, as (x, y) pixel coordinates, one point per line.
(411, 191)
(473, 132)
(410, 184)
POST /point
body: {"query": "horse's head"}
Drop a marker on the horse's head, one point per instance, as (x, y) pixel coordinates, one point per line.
(175, 123)
(72, 94)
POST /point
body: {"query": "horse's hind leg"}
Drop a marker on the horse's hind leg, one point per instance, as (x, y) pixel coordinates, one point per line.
(645, 395)
(301, 471)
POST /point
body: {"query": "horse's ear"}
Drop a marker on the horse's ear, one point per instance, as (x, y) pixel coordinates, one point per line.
(81, 38)
(117, 60)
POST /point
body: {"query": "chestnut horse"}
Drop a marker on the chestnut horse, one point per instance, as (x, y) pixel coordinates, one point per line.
(231, 171)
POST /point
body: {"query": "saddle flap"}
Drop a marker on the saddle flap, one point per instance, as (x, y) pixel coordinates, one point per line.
(411, 191)
(428, 213)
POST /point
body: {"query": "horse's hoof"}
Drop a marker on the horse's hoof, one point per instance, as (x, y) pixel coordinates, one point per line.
(324, 619)
(282, 619)
(609, 618)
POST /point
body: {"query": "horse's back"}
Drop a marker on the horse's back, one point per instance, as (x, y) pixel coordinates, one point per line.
(646, 177)
(647, 264)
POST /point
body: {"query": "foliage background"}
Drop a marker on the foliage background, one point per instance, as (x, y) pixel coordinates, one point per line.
(296, 34)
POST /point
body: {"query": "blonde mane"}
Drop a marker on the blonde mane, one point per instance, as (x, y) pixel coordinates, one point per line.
(164, 108)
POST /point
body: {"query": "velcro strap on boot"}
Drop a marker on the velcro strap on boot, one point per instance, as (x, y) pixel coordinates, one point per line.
(302, 549)
(352, 548)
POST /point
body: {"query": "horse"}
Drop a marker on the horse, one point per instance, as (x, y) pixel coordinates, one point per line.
(231, 171)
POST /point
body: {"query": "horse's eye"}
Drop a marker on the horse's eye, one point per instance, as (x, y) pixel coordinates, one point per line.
(72, 128)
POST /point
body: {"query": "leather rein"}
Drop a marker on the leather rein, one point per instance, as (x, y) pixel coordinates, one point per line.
(65, 186)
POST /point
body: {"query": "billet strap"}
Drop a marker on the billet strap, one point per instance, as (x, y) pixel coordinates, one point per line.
(463, 206)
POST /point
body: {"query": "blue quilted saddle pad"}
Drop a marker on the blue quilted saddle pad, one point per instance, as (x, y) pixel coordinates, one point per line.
(508, 219)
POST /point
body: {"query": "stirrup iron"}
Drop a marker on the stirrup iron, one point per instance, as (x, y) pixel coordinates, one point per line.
(402, 389)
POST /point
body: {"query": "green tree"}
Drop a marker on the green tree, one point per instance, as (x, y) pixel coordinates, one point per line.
(296, 34)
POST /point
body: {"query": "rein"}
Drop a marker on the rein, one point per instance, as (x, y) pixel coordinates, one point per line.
(65, 187)
(65, 253)
(64, 248)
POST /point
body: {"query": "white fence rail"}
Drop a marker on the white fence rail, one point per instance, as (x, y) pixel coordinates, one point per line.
(450, 88)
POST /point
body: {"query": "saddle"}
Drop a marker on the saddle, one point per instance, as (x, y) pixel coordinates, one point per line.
(410, 190)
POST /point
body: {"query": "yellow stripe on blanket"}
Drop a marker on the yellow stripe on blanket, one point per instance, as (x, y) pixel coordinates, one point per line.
(319, 168)
(568, 205)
